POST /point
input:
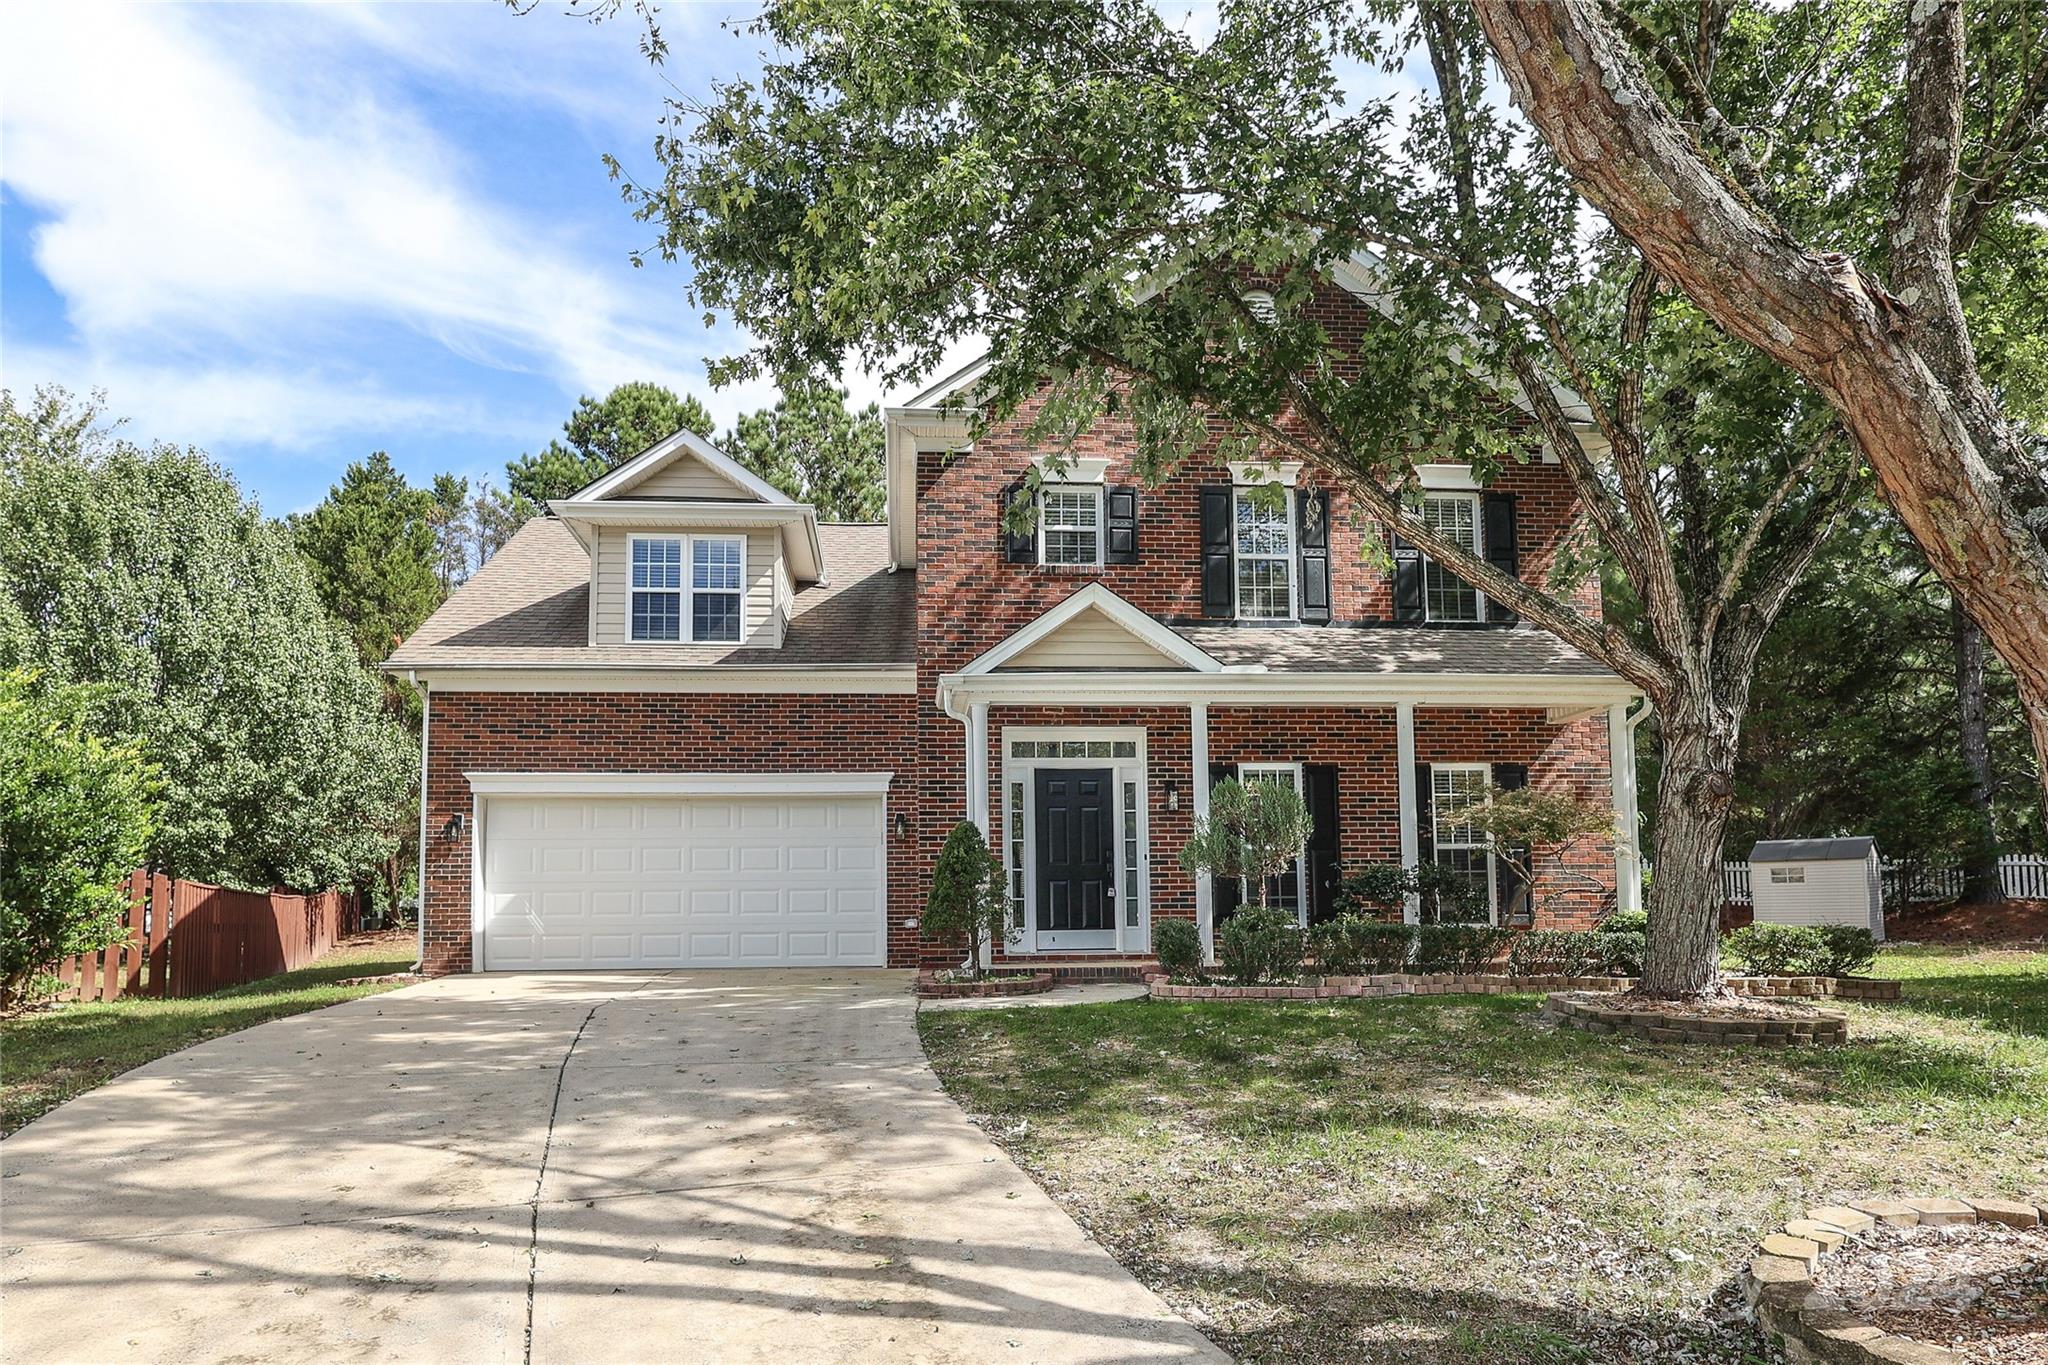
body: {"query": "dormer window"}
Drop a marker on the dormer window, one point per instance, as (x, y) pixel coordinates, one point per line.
(714, 588)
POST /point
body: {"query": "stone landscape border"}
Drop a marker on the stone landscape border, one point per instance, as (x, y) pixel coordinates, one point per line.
(1414, 983)
(1820, 1029)
(1779, 1279)
(930, 987)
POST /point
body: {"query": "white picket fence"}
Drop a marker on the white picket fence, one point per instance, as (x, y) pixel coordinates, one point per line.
(2021, 874)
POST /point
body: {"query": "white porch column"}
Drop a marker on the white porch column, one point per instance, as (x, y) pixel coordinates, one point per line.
(1621, 766)
(1404, 761)
(1198, 745)
(977, 765)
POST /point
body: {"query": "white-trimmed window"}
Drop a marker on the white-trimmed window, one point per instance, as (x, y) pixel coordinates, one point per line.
(718, 571)
(1265, 554)
(1455, 516)
(657, 596)
(1070, 524)
(700, 580)
(1289, 890)
(1456, 789)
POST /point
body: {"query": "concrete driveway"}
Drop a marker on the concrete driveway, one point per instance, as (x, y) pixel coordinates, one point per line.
(692, 1166)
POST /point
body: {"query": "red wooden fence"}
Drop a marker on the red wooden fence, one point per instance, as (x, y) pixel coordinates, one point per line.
(188, 938)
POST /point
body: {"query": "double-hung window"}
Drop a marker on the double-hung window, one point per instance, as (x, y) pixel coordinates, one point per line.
(1456, 790)
(1070, 524)
(1455, 516)
(1265, 553)
(1288, 890)
(701, 579)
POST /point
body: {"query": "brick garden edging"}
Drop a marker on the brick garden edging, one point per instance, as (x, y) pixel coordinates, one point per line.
(931, 988)
(1659, 1026)
(1413, 983)
(1779, 1279)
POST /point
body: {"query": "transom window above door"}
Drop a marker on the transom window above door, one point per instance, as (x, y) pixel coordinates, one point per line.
(1454, 516)
(714, 587)
(1070, 524)
(1265, 553)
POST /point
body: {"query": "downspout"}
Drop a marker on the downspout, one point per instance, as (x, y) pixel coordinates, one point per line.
(1638, 713)
(426, 730)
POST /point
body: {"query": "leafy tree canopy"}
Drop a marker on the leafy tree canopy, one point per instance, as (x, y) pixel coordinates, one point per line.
(143, 570)
(374, 555)
(602, 434)
(812, 448)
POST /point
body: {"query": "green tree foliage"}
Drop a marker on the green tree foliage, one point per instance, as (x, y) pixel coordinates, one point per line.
(1253, 832)
(375, 555)
(815, 450)
(969, 897)
(145, 571)
(76, 813)
(1529, 823)
(602, 434)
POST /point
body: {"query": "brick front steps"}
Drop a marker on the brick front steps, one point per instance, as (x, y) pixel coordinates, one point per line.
(1822, 1028)
(1022, 983)
(1779, 1280)
(1408, 983)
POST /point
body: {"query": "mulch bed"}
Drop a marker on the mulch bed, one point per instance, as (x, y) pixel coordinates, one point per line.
(1718, 1007)
(2016, 921)
(1979, 1289)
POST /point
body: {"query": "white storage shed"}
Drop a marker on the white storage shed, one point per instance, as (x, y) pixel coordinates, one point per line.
(1818, 881)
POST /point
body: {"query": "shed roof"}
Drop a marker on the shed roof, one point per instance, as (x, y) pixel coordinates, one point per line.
(1851, 850)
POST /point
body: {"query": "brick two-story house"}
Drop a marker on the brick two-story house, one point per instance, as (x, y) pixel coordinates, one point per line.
(681, 722)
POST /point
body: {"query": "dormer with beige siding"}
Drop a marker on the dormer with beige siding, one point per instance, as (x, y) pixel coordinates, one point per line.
(688, 547)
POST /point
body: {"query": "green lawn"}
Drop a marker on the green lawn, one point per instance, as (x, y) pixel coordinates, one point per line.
(1441, 1179)
(51, 1055)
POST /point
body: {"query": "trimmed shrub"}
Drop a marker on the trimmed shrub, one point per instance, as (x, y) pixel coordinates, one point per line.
(1375, 892)
(1773, 949)
(1350, 945)
(1627, 922)
(1460, 949)
(1178, 945)
(1563, 952)
(1257, 945)
(1622, 950)
(1843, 950)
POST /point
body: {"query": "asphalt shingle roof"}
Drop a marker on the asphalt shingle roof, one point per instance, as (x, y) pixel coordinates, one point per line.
(530, 606)
(1393, 649)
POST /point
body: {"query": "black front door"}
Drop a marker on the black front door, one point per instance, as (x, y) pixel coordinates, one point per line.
(1076, 871)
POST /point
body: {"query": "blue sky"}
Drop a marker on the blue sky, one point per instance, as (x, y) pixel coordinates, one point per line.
(295, 234)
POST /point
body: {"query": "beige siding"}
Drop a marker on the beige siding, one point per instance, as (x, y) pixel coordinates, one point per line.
(614, 584)
(1833, 893)
(1091, 640)
(686, 476)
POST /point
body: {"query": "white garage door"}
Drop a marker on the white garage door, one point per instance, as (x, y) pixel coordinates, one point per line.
(682, 882)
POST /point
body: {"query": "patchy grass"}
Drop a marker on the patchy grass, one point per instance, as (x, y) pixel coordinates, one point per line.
(48, 1056)
(1443, 1179)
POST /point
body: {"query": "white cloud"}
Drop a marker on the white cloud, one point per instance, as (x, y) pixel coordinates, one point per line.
(211, 189)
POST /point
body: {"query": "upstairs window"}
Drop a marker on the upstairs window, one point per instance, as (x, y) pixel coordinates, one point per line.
(1455, 516)
(1070, 525)
(1265, 555)
(717, 568)
(657, 606)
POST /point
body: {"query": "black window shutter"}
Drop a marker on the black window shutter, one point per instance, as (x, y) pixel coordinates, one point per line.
(1225, 893)
(1120, 518)
(1497, 531)
(1219, 539)
(1425, 823)
(1319, 781)
(1312, 538)
(1511, 889)
(1019, 547)
(1407, 581)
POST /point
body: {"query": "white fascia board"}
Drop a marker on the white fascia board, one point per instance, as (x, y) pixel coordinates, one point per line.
(1282, 689)
(1096, 597)
(908, 432)
(679, 784)
(955, 389)
(661, 452)
(687, 678)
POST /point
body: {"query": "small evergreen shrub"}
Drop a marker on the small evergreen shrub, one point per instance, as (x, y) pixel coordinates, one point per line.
(1460, 949)
(1559, 952)
(1351, 945)
(1377, 891)
(1843, 950)
(969, 897)
(1773, 949)
(1622, 950)
(1258, 945)
(1627, 922)
(1177, 943)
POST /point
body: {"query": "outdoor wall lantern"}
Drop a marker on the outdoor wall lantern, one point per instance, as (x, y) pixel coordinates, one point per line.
(901, 824)
(1173, 796)
(453, 829)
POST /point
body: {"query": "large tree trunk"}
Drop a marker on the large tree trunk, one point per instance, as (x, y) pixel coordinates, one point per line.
(1695, 788)
(1981, 884)
(1819, 315)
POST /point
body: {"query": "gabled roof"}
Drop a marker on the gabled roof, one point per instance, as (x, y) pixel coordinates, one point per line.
(1097, 602)
(1847, 850)
(683, 444)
